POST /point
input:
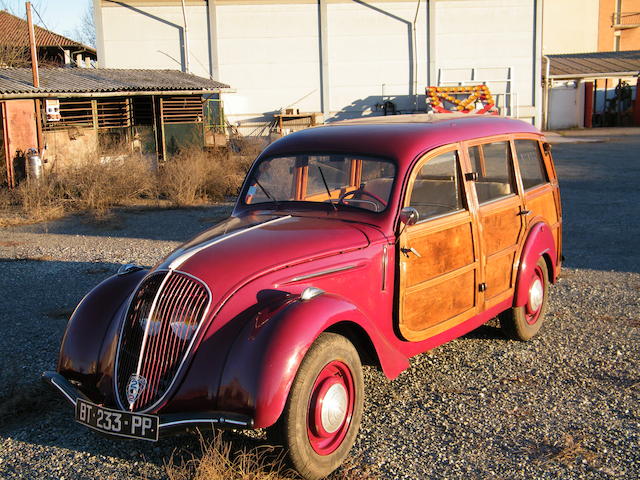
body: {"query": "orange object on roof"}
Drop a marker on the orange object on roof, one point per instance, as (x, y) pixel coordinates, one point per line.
(446, 99)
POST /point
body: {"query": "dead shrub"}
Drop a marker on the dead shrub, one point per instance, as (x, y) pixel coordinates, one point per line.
(193, 176)
(219, 462)
(96, 184)
(40, 200)
(99, 182)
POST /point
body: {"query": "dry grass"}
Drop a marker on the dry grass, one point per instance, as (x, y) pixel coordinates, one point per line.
(191, 177)
(218, 461)
(194, 176)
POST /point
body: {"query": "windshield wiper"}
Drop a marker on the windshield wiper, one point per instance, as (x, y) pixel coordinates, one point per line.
(264, 190)
(327, 188)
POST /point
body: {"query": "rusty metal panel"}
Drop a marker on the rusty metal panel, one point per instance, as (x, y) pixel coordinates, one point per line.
(21, 129)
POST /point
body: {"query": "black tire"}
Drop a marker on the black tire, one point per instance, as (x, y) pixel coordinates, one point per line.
(296, 430)
(520, 323)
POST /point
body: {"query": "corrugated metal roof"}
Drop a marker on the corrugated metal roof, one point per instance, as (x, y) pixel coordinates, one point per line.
(14, 31)
(596, 64)
(96, 80)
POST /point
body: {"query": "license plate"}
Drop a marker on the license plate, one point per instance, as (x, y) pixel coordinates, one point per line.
(117, 422)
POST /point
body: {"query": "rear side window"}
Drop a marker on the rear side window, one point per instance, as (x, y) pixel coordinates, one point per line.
(492, 163)
(437, 187)
(531, 163)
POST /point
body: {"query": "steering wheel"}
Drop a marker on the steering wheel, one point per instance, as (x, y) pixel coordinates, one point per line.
(361, 192)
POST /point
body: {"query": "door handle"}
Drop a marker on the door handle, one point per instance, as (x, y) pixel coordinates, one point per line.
(407, 251)
(525, 212)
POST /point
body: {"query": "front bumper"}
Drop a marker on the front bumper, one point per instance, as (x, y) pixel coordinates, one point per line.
(170, 424)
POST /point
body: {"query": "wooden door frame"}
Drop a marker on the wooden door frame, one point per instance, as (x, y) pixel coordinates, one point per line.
(518, 193)
(439, 223)
(5, 140)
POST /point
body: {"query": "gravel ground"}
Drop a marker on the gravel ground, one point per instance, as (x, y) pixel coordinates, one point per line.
(565, 405)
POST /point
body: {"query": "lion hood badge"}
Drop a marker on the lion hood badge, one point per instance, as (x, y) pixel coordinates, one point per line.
(137, 384)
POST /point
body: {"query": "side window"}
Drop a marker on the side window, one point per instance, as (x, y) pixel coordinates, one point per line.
(531, 163)
(492, 163)
(437, 187)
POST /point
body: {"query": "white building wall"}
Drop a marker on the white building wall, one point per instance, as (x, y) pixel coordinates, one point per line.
(269, 55)
(152, 36)
(570, 26)
(372, 53)
(270, 51)
(566, 105)
(497, 37)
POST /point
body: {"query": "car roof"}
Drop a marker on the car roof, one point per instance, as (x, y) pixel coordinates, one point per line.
(400, 137)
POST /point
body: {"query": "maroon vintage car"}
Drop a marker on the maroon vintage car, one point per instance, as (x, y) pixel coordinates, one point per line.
(350, 244)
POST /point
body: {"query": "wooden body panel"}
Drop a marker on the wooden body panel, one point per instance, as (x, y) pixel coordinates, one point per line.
(501, 227)
(437, 290)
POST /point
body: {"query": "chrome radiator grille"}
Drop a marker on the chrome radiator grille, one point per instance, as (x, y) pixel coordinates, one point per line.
(161, 322)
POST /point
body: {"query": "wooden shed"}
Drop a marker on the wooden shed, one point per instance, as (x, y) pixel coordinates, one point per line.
(78, 112)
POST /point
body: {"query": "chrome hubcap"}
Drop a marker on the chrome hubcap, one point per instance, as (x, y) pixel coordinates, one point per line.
(536, 294)
(334, 408)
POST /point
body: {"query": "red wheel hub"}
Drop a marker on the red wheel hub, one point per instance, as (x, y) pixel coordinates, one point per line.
(330, 408)
(536, 296)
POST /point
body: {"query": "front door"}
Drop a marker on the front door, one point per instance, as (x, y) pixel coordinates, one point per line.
(500, 215)
(439, 264)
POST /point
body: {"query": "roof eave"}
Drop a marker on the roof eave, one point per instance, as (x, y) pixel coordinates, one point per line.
(131, 93)
(580, 76)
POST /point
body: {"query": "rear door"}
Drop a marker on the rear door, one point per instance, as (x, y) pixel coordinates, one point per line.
(439, 265)
(500, 215)
(540, 186)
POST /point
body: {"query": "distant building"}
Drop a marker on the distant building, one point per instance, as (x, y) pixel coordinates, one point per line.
(79, 112)
(341, 58)
(591, 61)
(53, 49)
(619, 28)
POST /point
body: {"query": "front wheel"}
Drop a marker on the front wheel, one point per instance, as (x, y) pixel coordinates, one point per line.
(322, 415)
(522, 323)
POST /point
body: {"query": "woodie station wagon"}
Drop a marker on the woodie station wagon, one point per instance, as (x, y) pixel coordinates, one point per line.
(357, 243)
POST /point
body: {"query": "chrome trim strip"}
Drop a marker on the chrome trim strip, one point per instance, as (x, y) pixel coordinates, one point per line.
(120, 334)
(145, 335)
(187, 352)
(319, 274)
(385, 260)
(182, 422)
(177, 262)
(71, 399)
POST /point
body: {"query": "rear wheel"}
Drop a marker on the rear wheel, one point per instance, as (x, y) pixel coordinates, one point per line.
(522, 323)
(322, 415)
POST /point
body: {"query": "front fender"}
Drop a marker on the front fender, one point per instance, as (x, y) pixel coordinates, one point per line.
(265, 357)
(539, 243)
(84, 337)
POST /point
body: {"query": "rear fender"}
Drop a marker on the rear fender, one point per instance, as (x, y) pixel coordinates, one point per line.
(265, 357)
(539, 244)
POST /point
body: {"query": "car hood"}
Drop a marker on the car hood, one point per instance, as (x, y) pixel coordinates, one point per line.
(240, 249)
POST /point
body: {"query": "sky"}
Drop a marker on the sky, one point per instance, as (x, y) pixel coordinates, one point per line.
(60, 16)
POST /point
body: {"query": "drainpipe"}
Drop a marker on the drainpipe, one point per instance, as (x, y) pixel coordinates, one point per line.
(415, 60)
(186, 39)
(545, 101)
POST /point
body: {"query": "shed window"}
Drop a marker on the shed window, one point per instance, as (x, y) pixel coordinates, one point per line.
(73, 112)
(492, 163)
(531, 163)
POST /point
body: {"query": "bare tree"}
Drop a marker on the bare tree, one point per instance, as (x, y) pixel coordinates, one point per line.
(86, 31)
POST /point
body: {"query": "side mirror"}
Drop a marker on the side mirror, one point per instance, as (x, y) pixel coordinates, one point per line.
(409, 216)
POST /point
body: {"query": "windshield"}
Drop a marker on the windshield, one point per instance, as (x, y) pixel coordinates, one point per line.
(356, 181)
